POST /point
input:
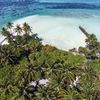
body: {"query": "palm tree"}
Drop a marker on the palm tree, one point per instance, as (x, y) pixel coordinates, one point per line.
(18, 29)
(93, 46)
(84, 31)
(26, 28)
(9, 26)
(91, 40)
(6, 34)
(23, 83)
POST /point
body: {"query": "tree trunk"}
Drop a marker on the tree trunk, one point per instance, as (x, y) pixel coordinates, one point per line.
(84, 31)
(2, 41)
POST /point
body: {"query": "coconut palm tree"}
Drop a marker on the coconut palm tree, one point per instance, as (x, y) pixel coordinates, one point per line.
(18, 29)
(6, 34)
(93, 46)
(9, 25)
(26, 28)
(91, 40)
(23, 83)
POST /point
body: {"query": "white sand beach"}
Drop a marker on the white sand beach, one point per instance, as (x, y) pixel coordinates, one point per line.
(62, 32)
(57, 31)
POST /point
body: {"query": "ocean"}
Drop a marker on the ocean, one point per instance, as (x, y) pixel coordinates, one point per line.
(86, 14)
(13, 11)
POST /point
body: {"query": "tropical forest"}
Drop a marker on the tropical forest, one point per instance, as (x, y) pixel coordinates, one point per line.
(30, 70)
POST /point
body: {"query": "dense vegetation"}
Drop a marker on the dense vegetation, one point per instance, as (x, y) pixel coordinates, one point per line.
(65, 75)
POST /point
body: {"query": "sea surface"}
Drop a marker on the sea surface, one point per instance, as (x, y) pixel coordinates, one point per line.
(87, 12)
(80, 9)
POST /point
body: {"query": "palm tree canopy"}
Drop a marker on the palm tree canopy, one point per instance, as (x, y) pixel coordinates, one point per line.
(9, 25)
(18, 29)
(26, 28)
(5, 32)
(32, 71)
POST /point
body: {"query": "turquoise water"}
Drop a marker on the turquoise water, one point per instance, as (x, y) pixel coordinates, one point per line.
(15, 12)
(79, 1)
(69, 10)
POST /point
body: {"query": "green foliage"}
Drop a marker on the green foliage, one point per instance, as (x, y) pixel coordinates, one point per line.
(83, 50)
(18, 29)
(24, 60)
(93, 46)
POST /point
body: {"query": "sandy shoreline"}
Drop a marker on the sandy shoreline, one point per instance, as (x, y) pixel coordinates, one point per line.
(57, 31)
(62, 32)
